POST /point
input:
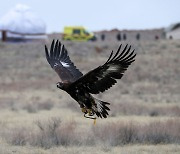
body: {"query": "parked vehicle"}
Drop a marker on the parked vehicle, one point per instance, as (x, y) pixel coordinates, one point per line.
(77, 33)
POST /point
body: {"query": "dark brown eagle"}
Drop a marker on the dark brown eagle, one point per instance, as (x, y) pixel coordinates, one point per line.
(79, 86)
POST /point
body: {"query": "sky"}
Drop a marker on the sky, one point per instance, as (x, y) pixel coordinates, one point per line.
(101, 14)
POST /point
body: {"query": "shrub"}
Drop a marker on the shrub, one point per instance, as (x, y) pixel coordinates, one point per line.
(54, 133)
(127, 133)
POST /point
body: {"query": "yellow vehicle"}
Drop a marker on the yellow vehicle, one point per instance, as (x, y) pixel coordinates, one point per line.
(77, 33)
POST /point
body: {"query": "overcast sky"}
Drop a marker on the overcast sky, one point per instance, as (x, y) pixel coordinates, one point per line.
(101, 14)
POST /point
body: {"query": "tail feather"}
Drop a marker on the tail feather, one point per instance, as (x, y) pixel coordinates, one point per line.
(101, 108)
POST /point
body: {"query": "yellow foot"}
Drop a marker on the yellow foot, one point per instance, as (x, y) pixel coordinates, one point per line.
(84, 110)
(89, 112)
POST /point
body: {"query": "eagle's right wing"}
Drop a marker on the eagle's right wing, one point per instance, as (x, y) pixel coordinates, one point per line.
(59, 60)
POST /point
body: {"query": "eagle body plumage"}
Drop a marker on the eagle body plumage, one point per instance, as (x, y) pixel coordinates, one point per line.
(79, 86)
(87, 102)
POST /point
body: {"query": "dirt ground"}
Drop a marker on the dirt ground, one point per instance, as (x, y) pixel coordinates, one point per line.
(148, 92)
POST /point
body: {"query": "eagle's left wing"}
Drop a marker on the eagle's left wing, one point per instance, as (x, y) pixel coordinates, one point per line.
(104, 77)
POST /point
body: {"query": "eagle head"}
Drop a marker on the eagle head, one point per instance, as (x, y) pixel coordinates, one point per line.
(60, 85)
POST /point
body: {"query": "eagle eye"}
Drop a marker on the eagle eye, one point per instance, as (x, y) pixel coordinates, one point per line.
(59, 85)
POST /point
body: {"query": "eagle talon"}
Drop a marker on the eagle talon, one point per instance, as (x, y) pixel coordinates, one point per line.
(84, 110)
(90, 113)
(87, 111)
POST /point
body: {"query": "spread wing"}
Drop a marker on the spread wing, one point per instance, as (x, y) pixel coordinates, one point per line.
(59, 60)
(104, 77)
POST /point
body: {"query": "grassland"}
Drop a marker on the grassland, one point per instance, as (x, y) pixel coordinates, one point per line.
(36, 117)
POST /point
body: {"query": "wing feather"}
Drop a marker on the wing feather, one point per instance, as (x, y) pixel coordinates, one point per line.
(109, 57)
(117, 52)
(51, 50)
(58, 51)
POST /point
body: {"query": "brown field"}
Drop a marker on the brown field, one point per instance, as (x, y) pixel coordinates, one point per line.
(36, 117)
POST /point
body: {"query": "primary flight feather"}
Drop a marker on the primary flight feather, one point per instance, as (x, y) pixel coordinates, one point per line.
(79, 86)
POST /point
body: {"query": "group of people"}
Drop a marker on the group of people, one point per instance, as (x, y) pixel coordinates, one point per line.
(120, 36)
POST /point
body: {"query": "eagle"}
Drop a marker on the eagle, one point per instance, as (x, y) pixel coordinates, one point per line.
(81, 87)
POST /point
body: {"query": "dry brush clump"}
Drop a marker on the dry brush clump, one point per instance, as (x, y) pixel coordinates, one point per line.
(128, 133)
(53, 133)
(56, 133)
(115, 133)
(46, 134)
(17, 136)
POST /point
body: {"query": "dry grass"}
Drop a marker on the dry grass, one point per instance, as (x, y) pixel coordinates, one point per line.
(53, 133)
(129, 133)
